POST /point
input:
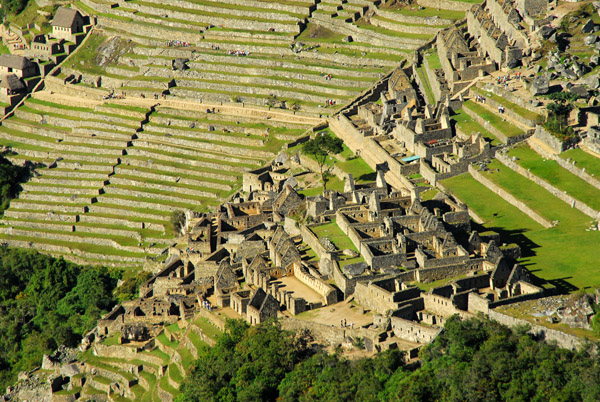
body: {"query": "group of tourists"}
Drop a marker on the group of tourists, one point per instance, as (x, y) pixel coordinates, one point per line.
(480, 99)
(206, 305)
(112, 95)
(177, 43)
(327, 76)
(19, 46)
(238, 52)
(330, 102)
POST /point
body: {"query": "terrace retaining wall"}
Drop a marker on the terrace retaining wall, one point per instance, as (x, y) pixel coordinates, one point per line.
(509, 198)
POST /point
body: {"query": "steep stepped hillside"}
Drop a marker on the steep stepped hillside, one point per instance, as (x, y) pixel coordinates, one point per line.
(111, 174)
(227, 70)
(563, 254)
(153, 375)
(267, 33)
(544, 171)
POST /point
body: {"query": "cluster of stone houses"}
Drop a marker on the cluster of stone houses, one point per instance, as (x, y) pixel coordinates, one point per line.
(19, 74)
(250, 257)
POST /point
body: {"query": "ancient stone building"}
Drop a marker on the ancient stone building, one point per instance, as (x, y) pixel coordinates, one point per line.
(67, 23)
(461, 57)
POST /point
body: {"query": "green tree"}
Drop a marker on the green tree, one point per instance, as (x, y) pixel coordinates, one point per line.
(558, 111)
(177, 221)
(320, 148)
(246, 364)
(46, 302)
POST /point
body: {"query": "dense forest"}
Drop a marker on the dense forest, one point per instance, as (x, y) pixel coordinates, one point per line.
(10, 178)
(13, 6)
(472, 360)
(46, 302)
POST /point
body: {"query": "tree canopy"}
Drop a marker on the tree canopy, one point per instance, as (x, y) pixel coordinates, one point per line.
(10, 177)
(472, 360)
(46, 302)
(320, 148)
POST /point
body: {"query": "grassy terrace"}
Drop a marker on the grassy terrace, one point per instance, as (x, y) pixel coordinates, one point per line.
(521, 111)
(162, 6)
(339, 239)
(208, 328)
(583, 160)
(427, 12)
(564, 255)
(469, 126)
(559, 177)
(534, 196)
(495, 120)
(389, 32)
(425, 82)
(303, 61)
(86, 247)
(434, 60)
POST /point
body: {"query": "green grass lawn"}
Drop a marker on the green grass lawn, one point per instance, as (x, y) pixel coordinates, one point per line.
(583, 160)
(360, 170)
(335, 234)
(208, 328)
(434, 60)
(428, 91)
(551, 172)
(536, 197)
(565, 256)
(334, 183)
(469, 126)
(506, 128)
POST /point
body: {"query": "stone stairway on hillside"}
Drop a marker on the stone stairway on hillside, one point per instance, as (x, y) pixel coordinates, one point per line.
(140, 371)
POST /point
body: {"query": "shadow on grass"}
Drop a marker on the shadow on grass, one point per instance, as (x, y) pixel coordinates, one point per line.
(516, 236)
(562, 286)
(368, 177)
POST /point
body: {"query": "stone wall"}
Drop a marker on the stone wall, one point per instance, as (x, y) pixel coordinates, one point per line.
(369, 150)
(443, 272)
(571, 167)
(364, 36)
(445, 4)
(410, 19)
(434, 83)
(562, 339)
(499, 134)
(345, 284)
(509, 198)
(414, 332)
(551, 141)
(506, 161)
(440, 305)
(487, 43)
(324, 289)
(312, 241)
(57, 85)
(331, 334)
(374, 297)
(501, 20)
